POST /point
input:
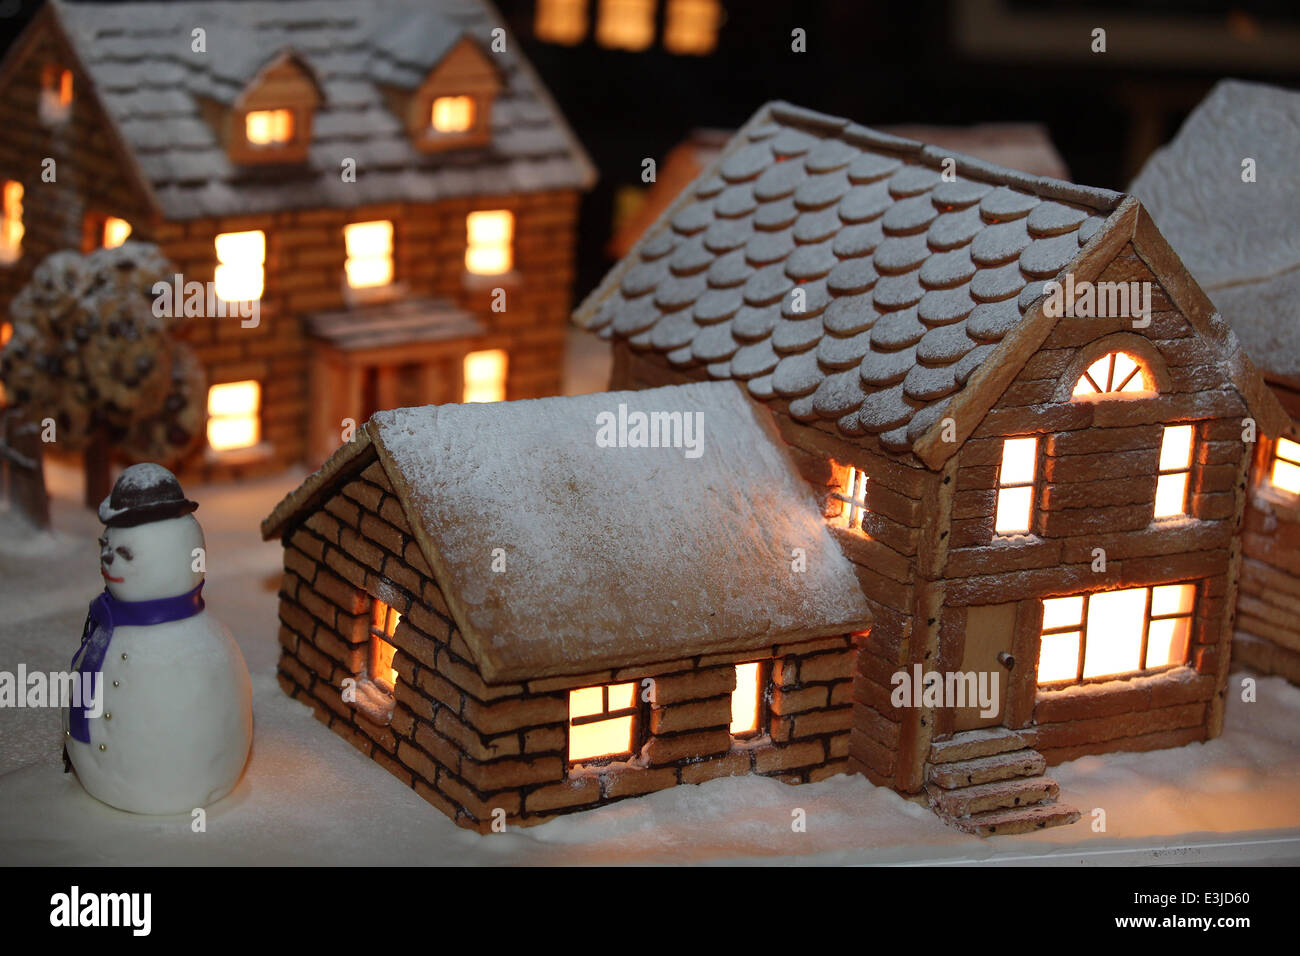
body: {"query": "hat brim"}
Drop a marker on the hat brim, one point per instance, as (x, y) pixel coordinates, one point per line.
(143, 514)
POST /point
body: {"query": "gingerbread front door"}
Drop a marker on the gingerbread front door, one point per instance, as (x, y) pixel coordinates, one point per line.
(986, 666)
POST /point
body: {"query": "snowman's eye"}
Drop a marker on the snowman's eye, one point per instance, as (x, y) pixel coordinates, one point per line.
(125, 552)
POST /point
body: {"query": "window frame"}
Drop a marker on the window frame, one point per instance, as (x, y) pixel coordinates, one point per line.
(853, 495)
(375, 289)
(1185, 471)
(256, 416)
(1273, 457)
(377, 633)
(763, 710)
(1147, 619)
(221, 263)
(508, 242)
(999, 486)
(639, 712)
(12, 195)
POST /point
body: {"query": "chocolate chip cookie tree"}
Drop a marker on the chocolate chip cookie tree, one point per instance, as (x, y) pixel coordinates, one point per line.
(93, 363)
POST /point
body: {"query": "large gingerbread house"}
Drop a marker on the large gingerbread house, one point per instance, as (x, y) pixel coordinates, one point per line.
(388, 181)
(1044, 507)
(1227, 193)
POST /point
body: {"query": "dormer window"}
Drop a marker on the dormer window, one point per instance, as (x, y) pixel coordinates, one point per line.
(1114, 374)
(268, 127)
(56, 94)
(270, 122)
(452, 108)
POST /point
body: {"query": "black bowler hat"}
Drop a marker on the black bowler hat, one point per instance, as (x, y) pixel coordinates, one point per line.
(144, 493)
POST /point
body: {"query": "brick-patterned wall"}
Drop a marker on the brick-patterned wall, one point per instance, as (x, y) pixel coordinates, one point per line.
(471, 748)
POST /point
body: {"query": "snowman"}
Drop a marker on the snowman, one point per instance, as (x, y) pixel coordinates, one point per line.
(170, 728)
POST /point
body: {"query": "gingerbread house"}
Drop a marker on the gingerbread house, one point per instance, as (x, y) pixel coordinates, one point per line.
(1030, 429)
(1227, 192)
(528, 608)
(388, 182)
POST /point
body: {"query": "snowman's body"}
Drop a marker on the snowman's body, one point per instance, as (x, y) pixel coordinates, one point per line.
(176, 722)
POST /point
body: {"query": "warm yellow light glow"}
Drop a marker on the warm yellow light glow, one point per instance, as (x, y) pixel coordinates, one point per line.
(65, 88)
(490, 238)
(1016, 486)
(744, 699)
(1062, 612)
(1175, 462)
(116, 232)
(626, 24)
(11, 221)
(1167, 642)
(381, 669)
(854, 495)
(1114, 637)
(6, 333)
(1115, 373)
(591, 739)
(561, 21)
(233, 415)
(268, 127)
(453, 114)
(485, 376)
(383, 622)
(1172, 599)
(240, 258)
(1058, 658)
(1286, 466)
(370, 253)
(692, 26)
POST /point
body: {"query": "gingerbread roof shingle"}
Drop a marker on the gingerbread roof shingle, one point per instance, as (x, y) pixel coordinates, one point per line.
(861, 277)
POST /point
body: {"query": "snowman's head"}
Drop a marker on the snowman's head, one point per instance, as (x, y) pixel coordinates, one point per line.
(150, 561)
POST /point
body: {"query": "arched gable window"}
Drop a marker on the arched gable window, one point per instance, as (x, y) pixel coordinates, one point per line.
(1115, 373)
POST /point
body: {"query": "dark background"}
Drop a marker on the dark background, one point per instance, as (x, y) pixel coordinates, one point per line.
(904, 61)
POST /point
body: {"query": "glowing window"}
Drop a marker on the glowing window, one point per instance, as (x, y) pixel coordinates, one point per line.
(489, 250)
(1015, 505)
(383, 622)
(241, 257)
(11, 222)
(452, 114)
(56, 94)
(854, 496)
(116, 231)
(626, 24)
(1175, 466)
(6, 333)
(746, 698)
(1285, 475)
(370, 253)
(692, 26)
(1111, 633)
(1116, 373)
(561, 21)
(485, 376)
(233, 415)
(268, 127)
(602, 721)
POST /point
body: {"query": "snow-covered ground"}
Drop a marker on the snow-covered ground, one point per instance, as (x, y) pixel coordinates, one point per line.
(308, 797)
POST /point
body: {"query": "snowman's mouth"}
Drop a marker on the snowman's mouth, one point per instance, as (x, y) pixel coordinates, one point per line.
(109, 577)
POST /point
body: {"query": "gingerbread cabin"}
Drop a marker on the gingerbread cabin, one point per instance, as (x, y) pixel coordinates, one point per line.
(1031, 431)
(1227, 192)
(519, 615)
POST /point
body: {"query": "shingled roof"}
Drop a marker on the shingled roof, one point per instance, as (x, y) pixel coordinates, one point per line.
(615, 556)
(1241, 240)
(151, 84)
(910, 281)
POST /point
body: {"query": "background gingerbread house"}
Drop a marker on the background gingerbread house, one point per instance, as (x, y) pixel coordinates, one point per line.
(390, 181)
(1227, 192)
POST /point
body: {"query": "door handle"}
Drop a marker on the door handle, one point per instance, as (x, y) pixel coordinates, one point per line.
(1006, 660)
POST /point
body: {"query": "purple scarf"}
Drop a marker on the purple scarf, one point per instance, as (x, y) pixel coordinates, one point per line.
(106, 613)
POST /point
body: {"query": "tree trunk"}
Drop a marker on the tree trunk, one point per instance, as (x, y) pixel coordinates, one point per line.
(96, 468)
(22, 474)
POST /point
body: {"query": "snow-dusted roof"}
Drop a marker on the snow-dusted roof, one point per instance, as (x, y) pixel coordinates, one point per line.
(1241, 240)
(614, 556)
(140, 59)
(909, 281)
